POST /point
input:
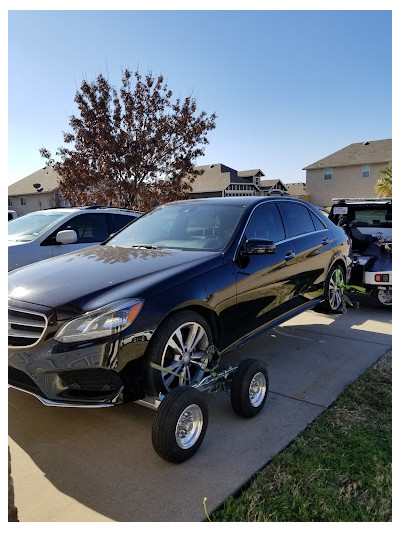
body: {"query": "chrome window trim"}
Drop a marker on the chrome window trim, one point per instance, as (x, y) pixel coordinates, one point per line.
(292, 201)
(28, 311)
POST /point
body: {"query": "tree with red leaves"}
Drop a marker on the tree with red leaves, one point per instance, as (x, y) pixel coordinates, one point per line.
(131, 149)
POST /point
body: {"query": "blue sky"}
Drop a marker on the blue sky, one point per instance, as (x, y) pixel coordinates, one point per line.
(289, 87)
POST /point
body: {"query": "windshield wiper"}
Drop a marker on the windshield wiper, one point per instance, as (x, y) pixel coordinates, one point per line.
(147, 246)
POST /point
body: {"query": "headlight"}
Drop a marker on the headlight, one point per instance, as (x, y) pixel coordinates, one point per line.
(103, 322)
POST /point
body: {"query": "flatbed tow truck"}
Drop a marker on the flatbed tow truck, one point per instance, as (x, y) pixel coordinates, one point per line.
(368, 225)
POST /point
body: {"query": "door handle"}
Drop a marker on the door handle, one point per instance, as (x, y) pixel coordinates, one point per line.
(289, 256)
(325, 240)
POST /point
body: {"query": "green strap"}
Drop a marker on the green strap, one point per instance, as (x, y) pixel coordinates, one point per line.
(191, 382)
(158, 367)
(354, 287)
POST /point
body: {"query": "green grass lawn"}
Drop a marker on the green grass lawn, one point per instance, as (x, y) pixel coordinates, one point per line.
(337, 469)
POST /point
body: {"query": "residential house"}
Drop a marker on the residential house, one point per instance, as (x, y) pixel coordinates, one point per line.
(220, 180)
(351, 172)
(37, 191)
(298, 190)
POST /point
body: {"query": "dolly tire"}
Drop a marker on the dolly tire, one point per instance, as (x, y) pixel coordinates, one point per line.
(180, 424)
(249, 388)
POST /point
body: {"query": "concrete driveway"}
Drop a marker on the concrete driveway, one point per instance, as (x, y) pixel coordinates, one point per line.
(99, 465)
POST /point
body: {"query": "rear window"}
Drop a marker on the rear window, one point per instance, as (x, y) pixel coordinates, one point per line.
(372, 218)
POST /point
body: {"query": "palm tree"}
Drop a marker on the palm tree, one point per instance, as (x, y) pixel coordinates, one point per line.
(384, 184)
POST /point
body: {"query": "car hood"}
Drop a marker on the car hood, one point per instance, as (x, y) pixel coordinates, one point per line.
(92, 277)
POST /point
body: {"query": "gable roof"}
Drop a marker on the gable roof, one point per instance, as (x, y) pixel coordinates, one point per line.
(47, 178)
(218, 177)
(365, 153)
(296, 189)
(271, 184)
(214, 178)
(251, 173)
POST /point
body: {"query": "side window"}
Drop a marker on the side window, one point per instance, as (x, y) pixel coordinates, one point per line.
(297, 219)
(89, 227)
(318, 224)
(120, 221)
(266, 223)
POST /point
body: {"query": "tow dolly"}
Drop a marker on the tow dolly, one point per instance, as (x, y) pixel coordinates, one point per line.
(181, 416)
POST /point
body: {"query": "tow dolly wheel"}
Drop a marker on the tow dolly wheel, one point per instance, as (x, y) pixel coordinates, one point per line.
(249, 388)
(180, 424)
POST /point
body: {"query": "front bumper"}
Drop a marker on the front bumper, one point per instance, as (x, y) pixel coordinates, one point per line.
(47, 402)
(96, 374)
(76, 376)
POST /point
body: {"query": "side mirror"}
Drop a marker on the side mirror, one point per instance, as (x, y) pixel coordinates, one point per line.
(67, 236)
(260, 246)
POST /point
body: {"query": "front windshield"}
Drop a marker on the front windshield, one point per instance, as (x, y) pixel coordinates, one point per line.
(30, 226)
(187, 226)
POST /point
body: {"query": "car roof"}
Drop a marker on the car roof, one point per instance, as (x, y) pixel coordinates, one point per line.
(240, 200)
(69, 210)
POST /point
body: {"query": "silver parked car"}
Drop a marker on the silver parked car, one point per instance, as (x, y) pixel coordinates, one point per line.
(48, 233)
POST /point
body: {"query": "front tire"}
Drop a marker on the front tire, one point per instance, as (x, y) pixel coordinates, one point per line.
(180, 425)
(179, 346)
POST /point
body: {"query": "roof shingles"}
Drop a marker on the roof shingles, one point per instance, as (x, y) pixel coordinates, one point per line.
(366, 153)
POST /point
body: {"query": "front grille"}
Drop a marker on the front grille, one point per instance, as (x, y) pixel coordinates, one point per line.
(91, 379)
(25, 328)
(19, 379)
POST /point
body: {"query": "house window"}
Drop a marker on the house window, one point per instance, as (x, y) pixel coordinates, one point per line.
(366, 171)
(23, 200)
(9, 202)
(328, 174)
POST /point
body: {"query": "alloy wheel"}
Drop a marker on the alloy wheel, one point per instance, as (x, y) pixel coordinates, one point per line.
(335, 289)
(183, 356)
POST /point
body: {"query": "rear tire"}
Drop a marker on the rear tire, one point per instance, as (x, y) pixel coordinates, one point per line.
(333, 292)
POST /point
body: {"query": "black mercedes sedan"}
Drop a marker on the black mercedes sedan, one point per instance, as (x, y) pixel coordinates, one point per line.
(135, 315)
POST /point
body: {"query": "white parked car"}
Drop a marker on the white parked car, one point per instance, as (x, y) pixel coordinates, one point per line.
(11, 214)
(45, 234)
